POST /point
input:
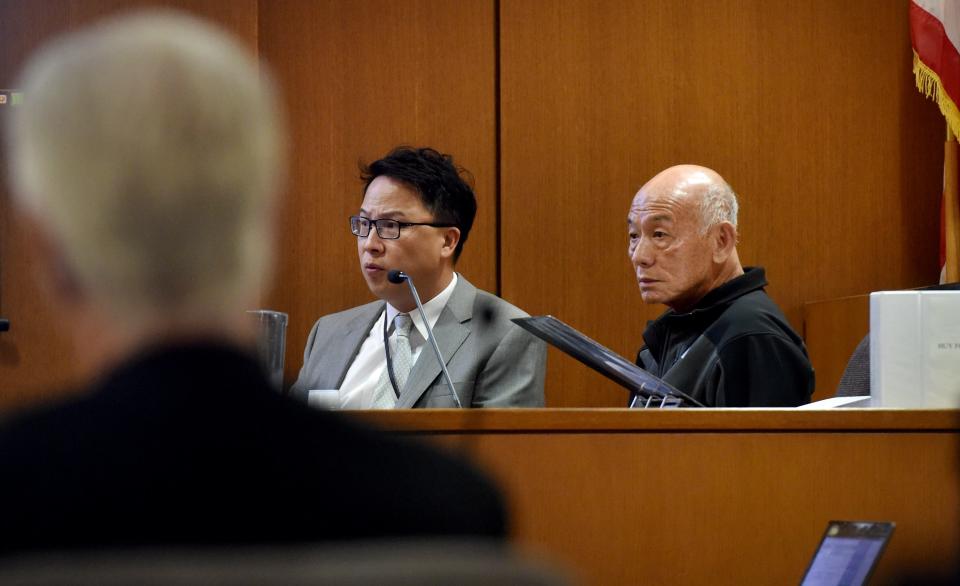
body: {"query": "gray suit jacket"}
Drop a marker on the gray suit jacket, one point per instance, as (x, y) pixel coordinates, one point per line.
(492, 361)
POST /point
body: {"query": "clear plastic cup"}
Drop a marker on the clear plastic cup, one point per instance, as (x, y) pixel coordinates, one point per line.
(270, 328)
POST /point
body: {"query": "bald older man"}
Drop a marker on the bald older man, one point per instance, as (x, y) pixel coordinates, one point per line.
(723, 341)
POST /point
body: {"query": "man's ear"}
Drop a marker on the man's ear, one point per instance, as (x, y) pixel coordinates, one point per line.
(451, 237)
(724, 241)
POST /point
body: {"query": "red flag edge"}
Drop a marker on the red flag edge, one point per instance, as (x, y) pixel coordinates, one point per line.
(936, 64)
(929, 84)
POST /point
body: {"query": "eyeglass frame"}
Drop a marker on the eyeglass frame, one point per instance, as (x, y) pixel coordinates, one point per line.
(400, 226)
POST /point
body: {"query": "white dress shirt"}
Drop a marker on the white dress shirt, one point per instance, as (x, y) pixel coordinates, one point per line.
(360, 383)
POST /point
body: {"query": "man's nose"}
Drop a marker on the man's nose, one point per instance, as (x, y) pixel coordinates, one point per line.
(372, 243)
(641, 255)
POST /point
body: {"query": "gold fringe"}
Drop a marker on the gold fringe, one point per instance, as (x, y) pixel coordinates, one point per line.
(929, 84)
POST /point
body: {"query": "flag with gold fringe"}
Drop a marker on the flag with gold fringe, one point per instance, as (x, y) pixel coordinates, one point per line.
(935, 34)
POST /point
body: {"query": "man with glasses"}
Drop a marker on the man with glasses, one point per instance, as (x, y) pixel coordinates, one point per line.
(145, 163)
(415, 217)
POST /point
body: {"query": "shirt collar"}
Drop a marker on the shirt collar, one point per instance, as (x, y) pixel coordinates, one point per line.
(753, 278)
(432, 308)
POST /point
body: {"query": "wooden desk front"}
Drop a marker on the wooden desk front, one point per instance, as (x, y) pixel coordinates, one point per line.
(710, 496)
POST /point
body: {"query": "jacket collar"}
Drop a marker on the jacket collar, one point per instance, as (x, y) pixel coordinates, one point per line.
(354, 333)
(752, 279)
(450, 333)
(714, 302)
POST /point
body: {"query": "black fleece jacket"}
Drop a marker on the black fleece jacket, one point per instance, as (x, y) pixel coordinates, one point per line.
(735, 348)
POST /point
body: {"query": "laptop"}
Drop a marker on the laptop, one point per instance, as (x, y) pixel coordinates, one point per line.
(848, 553)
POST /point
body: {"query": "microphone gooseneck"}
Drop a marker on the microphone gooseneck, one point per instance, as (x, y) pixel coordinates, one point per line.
(396, 277)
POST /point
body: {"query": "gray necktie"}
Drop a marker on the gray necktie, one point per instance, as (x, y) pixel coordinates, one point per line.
(401, 356)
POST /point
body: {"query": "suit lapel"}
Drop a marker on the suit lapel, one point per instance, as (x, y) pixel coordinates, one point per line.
(450, 332)
(343, 353)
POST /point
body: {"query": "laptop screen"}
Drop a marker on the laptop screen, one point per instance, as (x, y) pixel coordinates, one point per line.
(848, 553)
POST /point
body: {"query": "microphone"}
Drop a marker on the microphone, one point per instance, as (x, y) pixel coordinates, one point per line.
(397, 277)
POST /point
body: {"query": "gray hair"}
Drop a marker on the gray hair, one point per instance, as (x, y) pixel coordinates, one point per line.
(151, 148)
(719, 204)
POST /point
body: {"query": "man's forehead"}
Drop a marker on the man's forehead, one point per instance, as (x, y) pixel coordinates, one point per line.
(675, 194)
(661, 207)
(639, 215)
(647, 202)
(384, 213)
(389, 197)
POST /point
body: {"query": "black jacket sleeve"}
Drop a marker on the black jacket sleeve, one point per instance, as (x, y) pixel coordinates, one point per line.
(763, 370)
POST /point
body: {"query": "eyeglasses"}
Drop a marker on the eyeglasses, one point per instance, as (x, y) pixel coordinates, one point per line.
(386, 229)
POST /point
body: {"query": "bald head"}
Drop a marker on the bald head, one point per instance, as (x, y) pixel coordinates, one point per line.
(683, 232)
(699, 186)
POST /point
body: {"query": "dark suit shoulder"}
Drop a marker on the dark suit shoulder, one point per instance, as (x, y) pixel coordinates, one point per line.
(424, 491)
(195, 448)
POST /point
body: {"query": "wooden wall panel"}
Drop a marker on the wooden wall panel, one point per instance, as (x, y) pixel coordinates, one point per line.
(361, 78)
(832, 329)
(36, 355)
(807, 108)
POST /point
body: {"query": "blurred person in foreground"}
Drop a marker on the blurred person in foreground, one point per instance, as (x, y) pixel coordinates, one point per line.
(722, 341)
(145, 160)
(415, 217)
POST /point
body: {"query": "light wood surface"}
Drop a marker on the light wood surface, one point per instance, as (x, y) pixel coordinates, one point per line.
(469, 421)
(710, 496)
(816, 124)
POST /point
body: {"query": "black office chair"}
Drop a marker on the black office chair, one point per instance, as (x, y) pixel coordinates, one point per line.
(855, 381)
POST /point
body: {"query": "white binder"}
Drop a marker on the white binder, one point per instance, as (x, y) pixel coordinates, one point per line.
(915, 349)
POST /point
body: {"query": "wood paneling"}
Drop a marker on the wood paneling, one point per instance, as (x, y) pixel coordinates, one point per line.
(470, 421)
(705, 497)
(807, 108)
(832, 329)
(36, 354)
(359, 79)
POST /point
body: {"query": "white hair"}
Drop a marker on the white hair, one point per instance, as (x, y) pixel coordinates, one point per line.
(151, 148)
(718, 204)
